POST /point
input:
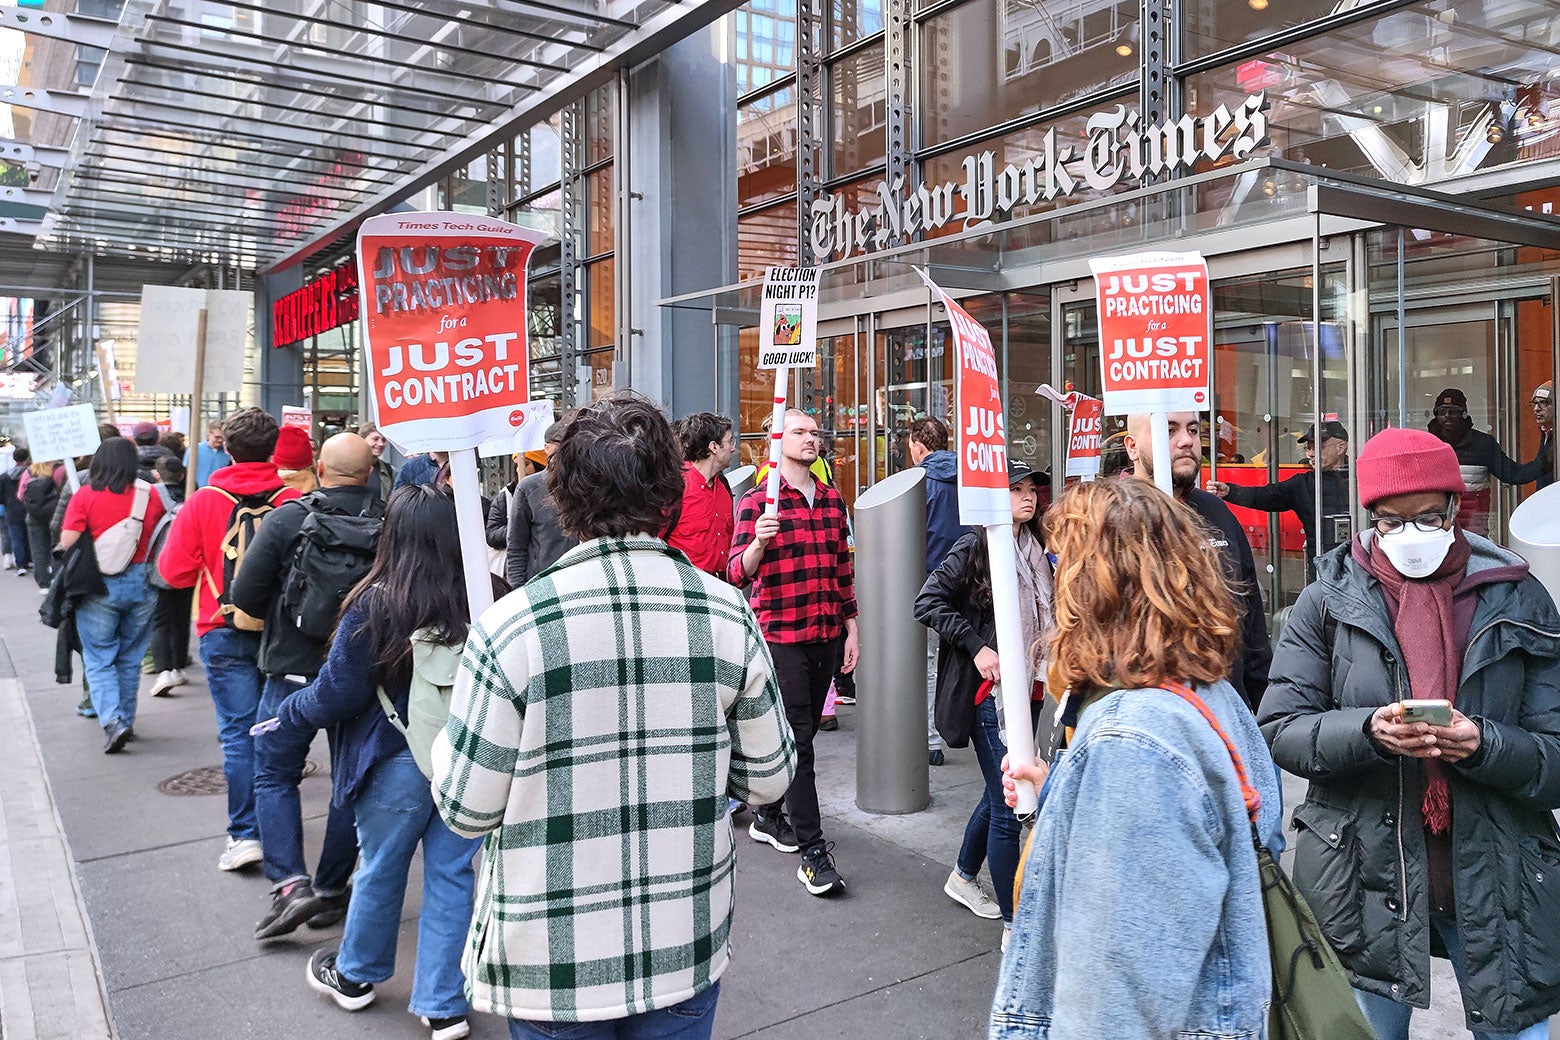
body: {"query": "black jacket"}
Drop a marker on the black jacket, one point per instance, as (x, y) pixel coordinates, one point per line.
(536, 539)
(10, 484)
(1249, 671)
(146, 456)
(944, 605)
(40, 497)
(1480, 449)
(1359, 845)
(498, 517)
(1297, 495)
(257, 589)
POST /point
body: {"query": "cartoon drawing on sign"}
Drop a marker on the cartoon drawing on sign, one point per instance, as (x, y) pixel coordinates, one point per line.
(788, 324)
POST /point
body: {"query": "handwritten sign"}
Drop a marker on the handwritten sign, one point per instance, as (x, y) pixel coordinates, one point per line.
(61, 433)
(788, 318)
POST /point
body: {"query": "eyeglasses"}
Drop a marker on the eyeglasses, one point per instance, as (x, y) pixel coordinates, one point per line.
(1449, 410)
(1425, 522)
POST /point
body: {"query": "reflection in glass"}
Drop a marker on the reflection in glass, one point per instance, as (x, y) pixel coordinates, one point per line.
(766, 147)
(601, 303)
(1214, 25)
(599, 211)
(765, 44)
(977, 74)
(598, 125)
(544, 322)
(766, 238)
(855, 20)
(538, 157)
(1418, 95)
(859, 102)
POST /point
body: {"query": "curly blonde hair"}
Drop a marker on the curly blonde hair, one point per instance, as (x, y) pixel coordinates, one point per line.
(1141, 599)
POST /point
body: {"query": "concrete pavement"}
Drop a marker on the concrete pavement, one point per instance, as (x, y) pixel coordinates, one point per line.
(164, 949)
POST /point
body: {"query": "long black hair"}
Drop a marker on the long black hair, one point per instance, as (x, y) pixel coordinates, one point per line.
(114, 466)
(416, 580)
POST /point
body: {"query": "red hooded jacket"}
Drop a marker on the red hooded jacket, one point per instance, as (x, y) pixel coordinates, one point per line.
(194, 544)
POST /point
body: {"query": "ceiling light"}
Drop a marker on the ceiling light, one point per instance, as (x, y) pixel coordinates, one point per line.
(1124, 49)
(1257, 5)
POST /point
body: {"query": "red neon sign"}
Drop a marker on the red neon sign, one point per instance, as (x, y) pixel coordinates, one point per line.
(328, 302)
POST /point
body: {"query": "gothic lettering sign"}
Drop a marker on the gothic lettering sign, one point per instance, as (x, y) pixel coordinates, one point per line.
(1118, 148)
(328, 302)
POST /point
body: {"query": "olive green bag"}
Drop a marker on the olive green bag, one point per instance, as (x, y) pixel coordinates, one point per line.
(1312, 998)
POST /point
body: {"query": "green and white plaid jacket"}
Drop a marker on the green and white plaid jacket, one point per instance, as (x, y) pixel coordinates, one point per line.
(601, 715)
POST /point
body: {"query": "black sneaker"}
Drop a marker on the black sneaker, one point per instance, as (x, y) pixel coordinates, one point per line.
(774, 830)
(817, 871)
(115, 736)
(332, 910)
(829, 723)
(324, 978)
(453, 1028)
(291, 905)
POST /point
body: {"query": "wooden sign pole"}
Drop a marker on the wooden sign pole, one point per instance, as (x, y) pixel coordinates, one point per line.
(195, 411)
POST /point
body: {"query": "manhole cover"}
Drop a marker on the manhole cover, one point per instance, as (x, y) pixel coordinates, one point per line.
(209, 780)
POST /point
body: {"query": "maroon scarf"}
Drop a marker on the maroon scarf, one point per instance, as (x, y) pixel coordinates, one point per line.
(1431, 623)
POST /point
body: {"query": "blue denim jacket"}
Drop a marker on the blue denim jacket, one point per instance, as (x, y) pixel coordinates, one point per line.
(1141, 913)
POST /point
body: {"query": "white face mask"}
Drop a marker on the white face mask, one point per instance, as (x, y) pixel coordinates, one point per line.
(1416, 553)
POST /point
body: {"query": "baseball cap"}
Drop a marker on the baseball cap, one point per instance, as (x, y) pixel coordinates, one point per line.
(1451, 397)
(1330, 428)
(1017, 471)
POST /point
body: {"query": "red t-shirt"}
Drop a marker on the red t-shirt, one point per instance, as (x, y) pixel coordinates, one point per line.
(96, 511)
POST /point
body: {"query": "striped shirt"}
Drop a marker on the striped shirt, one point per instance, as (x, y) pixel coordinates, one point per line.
(601, 717)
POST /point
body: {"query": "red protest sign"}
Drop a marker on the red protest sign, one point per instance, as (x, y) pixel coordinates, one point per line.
(981, 425)
(444, 323)
(1084, 437)
(1156, 331)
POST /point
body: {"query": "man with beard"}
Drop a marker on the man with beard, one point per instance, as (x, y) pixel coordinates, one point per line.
(1479, 457)
(1249, 670)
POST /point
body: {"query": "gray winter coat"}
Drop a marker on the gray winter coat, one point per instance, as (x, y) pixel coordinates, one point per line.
(536, 538)
(1359, 847)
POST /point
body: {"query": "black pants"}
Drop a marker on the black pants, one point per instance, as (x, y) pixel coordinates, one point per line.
(804, 671)
(171, 629)
(41, 543)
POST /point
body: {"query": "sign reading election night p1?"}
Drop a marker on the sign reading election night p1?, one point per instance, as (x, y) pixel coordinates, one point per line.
(444, 327)
(1156, 327)
(788, 318)
(982, 428)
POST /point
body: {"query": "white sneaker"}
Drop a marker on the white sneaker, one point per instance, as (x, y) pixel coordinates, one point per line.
(1007, 933)
(240, 853)
(972, 896)
(10, 562)
(163, 685)
(179, 678)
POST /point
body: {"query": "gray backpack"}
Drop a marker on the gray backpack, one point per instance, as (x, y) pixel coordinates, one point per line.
(434, 666)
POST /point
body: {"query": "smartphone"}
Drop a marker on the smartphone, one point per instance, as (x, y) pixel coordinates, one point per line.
(1434, 713)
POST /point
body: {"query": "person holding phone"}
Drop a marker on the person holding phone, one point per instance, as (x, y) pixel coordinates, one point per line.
(1417, 687)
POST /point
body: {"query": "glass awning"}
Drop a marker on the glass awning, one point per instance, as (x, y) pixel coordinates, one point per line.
(1262, 202)
(259, 131)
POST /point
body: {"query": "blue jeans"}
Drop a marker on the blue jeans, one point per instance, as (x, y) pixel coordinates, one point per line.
(693, 1019)
(1389, 1018)
(991, 836)
(234, 680)
(394, 813)
(115, 628)
(279, 762)
(16, 529)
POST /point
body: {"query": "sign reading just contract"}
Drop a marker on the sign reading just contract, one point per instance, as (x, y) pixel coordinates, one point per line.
(1118, 148)
(1156, 327)
(444, 324)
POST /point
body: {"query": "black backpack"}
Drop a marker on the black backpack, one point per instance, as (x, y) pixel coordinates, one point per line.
(243, 522)
(40, 497)
(334, 552)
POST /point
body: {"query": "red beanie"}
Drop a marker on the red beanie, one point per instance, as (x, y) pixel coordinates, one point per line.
(1406, 462)
(293, 450)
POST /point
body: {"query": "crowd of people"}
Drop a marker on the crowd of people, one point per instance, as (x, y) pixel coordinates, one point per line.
(572, 762)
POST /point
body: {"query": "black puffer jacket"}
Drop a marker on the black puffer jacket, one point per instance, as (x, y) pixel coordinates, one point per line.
(946, 607)
(1360, 848)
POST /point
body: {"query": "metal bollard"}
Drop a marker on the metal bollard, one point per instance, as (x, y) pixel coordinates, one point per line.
(891, 767)
(1534, 531)
(740, 480)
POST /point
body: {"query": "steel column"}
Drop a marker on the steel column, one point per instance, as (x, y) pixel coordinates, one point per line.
(898, 28)
(569, 247)
(811, 121)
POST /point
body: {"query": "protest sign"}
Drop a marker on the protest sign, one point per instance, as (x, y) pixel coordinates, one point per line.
(984, 499)
(61, 433)
(1084, 438)
(788, 318)
(170, 336)
(788, 337)
(529, 435)
(1156, 331)
(979, 421)
(297, 415)
(443, 304)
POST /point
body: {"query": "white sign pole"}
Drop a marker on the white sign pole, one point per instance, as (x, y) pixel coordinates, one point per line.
(471, 523)
(776, 434)
(71, 476)
(1159, 424)
(1013, 659)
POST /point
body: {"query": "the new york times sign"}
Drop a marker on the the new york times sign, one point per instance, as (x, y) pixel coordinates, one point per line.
(1118, 149)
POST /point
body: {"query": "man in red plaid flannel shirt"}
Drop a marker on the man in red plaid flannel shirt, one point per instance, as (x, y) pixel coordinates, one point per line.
(798, 563)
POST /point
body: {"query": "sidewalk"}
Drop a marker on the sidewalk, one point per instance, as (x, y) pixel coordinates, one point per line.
(893, 959)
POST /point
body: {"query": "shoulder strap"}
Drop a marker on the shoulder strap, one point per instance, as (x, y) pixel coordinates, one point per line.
(1248, 793)
(143, 496)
